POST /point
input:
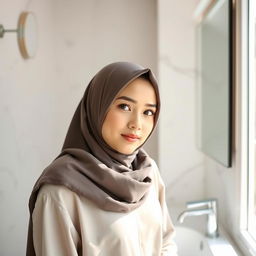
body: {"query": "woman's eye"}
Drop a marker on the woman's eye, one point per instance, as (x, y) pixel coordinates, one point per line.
(149, 112)
(124, 107)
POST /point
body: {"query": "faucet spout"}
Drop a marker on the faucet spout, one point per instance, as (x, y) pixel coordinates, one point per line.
(196, 212)
(210, 211)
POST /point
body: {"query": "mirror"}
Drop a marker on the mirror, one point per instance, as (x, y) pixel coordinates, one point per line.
(215, 81)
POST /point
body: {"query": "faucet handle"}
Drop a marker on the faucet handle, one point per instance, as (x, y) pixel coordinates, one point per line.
(210, 203)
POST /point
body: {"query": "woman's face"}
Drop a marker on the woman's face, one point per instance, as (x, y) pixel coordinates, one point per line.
(130, 118)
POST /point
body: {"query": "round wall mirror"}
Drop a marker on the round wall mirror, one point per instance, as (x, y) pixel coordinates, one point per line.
(27, 34)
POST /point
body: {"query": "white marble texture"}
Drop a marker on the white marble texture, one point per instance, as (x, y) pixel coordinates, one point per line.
(181, 163)
(27, 110)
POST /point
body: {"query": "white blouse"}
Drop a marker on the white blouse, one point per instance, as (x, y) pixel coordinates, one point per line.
(65, 223)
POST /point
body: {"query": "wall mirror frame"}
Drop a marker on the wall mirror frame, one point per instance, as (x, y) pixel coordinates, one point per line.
(26, 34)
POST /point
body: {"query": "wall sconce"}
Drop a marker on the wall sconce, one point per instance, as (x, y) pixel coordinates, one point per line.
(26, 34)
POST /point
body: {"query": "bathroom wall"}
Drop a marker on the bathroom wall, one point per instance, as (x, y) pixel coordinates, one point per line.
(28, 103)
(181, 163)
(38, 96)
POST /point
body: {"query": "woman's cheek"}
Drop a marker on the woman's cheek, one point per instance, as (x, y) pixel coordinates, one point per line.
(118, 118)
(149, 124)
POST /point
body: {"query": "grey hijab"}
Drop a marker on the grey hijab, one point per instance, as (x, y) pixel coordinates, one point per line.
(87, 165)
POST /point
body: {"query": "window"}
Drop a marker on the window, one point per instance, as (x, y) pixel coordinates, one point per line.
(248, 84)
(252, 121)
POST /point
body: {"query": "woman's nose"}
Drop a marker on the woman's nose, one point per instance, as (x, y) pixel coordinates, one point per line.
(135, 122)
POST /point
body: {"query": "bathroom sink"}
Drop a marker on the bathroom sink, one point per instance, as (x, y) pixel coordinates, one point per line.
(191, 243)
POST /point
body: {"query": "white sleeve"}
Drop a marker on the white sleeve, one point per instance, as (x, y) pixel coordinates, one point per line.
(53, 230)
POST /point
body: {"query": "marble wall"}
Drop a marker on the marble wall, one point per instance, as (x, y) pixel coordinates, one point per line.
(181, 163)
(28, 103)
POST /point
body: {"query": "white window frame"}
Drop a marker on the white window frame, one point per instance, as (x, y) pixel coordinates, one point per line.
(251, 124)
(247, 132)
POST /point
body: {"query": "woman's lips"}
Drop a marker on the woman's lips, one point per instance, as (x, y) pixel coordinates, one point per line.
(131, 137)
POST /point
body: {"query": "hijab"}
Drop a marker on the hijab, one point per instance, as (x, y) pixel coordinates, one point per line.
(87, 165)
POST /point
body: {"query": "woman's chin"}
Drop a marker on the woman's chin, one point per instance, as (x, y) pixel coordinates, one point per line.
(127, 150)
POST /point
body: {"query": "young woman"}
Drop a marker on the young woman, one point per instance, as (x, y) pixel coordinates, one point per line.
(103, 194)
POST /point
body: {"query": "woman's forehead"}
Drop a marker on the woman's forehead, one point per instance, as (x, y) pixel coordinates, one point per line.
(138, 87)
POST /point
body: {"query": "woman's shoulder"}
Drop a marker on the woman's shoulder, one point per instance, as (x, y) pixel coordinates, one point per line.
(156, 176)
(155, 169)
(57, 200)
(54, 190)
(154, 164)
(60, 194)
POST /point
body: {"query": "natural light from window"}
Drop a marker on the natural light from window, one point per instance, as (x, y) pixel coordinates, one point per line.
(252, 123)
(248, 124)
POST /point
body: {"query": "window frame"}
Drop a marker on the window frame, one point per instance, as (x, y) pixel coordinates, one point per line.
(247, 123)
(251, 121)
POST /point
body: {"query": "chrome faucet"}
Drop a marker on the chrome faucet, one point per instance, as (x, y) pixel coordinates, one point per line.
(210, 209)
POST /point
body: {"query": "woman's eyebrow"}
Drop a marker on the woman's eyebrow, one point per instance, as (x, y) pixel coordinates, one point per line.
(134, 101)
(151, 105)
(126, 98)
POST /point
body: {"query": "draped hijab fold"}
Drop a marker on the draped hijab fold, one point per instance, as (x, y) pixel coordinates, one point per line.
(87, 165)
